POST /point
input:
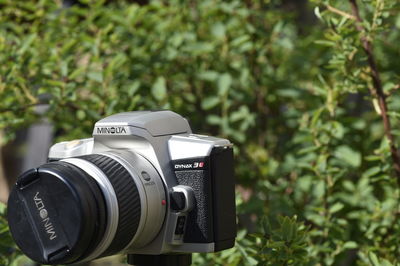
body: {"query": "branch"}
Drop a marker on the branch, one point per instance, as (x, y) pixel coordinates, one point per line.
(340, 12)
(377, 89)
(19, 108)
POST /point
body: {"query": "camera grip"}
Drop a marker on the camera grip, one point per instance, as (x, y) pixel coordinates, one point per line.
(199, 221)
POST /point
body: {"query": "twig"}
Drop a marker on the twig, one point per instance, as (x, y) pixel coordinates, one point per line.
(377, 89)
(19, 108)
(340, 12)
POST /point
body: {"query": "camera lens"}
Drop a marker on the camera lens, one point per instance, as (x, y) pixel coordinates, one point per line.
(82, 208)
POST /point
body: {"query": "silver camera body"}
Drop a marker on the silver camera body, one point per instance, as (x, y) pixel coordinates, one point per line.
(184, 181)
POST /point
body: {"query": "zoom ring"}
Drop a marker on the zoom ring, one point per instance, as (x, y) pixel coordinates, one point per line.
(128, 198)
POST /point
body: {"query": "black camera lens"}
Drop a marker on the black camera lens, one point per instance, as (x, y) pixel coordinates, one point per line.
(62, 213)
(54, 212)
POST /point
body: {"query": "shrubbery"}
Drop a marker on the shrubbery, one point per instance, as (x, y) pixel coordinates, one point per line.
(291, 89)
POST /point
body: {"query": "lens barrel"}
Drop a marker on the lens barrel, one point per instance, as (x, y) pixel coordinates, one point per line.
(60, 214)
(128, 200)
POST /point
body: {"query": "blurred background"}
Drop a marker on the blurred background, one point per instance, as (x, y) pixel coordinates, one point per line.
(292, 83)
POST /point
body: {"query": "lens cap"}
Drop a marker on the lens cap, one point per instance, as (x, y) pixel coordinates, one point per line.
(56, 213)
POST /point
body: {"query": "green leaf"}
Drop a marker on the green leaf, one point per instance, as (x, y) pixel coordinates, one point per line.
(133, 88)
(2, 208)
(214, 120)
(27, 43)
(325, 43)
(317, 13)
(208, 75)
(336, 207)
(373, 259)
(80, 114)
(224, 84)
(96, 76)
(218, 30)
(77, 72)
(210, 102)
(286, 229)
(349, 156)
(200, 47)
(266, 225)
(350, 245)
(307, 150)
(386, 263)
(241, 114)
(251, 260)
(372, 171)
(159, 89)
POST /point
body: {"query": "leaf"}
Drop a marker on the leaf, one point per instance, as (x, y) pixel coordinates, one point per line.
(336, 207)
(2, 208)
(214, 120)
(349, 156)
(373, 259)
(241, 114)
(224, 84)
(372, 171)
(316, 116)
(350, 245)
(289, 93)
(27, 43)
(287, 229)
(80, 114)
(307, 150)
(133, 88)
(266, 225)
(96, 76)
(200, 48)
(208, 75)
(319, 188)
(159, 89)
(77, 72)
(210, 102)
(317, 13)
(251, 260)
(386, 263)
(240, 40)
(325, 43)
(218, 30)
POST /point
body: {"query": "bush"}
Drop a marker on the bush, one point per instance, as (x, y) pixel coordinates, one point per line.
(301, 96)
(8, 252)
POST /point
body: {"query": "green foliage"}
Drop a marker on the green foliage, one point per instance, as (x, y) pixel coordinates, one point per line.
(284, 245)
(8, 251)
(291, 87)
(243, 253)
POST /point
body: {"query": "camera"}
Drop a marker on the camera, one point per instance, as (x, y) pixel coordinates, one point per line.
(144, 185)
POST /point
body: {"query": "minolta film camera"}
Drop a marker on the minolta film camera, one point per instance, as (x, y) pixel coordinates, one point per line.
(144, 184)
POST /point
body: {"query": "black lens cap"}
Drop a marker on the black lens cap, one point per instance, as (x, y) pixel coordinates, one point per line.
(56, 213)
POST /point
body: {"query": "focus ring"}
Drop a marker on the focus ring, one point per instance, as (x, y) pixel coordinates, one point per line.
(128, 198)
